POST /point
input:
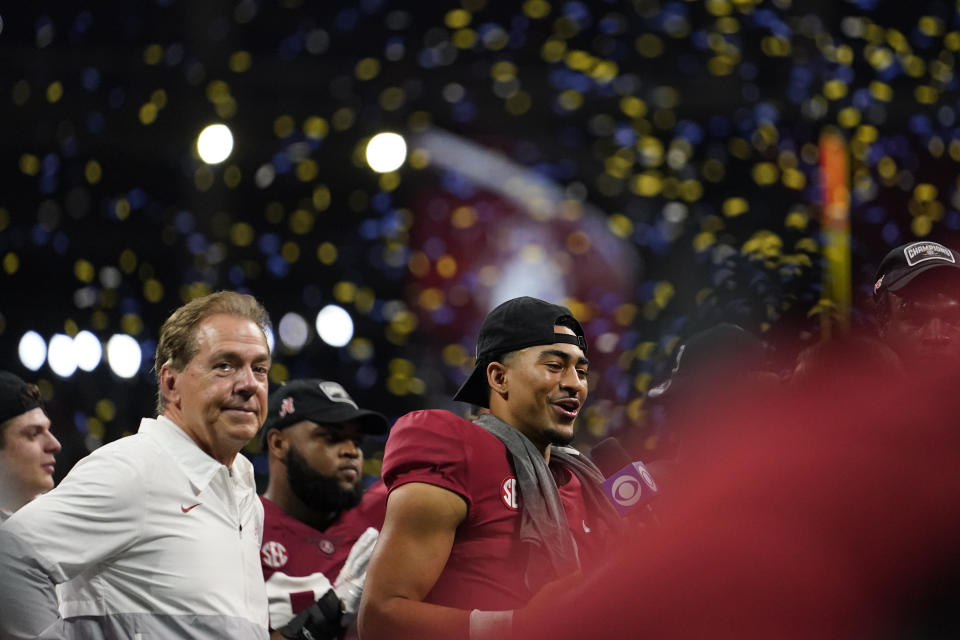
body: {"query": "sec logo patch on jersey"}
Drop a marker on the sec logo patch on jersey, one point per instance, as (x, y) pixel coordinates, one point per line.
(509, 495)
(273, 554)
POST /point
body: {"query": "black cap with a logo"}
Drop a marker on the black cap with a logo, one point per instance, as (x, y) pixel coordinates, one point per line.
(322, 401)
(901, 265)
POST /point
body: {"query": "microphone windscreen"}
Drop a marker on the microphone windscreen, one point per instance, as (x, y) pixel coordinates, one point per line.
(609, 456)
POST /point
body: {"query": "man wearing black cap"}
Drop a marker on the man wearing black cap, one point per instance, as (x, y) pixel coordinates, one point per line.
(481, 515)
(318, 532)
(27, 447)
(917, 293)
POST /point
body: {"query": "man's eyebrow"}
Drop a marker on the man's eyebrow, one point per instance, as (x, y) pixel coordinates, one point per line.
(563, 355)
(233, 356)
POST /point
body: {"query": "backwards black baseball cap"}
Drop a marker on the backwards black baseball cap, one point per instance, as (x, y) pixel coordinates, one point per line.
(14, 398)
(515, 324)
(901, 265)
(322, 401)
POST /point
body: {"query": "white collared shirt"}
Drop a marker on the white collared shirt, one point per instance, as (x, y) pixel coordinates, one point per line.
(147, 535)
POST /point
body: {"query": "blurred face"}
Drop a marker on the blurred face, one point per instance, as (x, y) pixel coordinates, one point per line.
(324, 464)
(27, 457)
(924, 325)
(220, 397)
(546, 387)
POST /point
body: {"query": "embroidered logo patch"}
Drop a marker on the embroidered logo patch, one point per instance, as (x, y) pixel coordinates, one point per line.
(336, 393)
(327, 547)
(508, 493)
(273, 554)
(286, 407)
(918, 252)
(190, 508)
(876, 285)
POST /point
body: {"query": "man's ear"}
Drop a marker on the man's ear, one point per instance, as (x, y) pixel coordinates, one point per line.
(169, 385)
(277, 444)
(497, 378)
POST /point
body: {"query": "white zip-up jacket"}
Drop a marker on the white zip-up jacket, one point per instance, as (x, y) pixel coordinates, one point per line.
(147, 537)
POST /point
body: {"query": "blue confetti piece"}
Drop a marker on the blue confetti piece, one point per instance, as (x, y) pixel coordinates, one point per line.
(95, 122)
(90, 79)
(116, 98)
(80, 421)
(281, 163)
(381, 201)
(130, 305)
(435, 248)
(268, 243)
(61, 243)
(366, 376)
(369, 229)
(464, 111)
(196, 244)
(39, 235)
(952, 220)
(444, 315)
(277, 266)
(891, 234)
(875, 215)
(184, 222)
(236, 275)
(346, 20)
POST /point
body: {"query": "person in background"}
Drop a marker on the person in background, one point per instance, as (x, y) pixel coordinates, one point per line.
(710, 364)
(917, 295)
(320, 526)
(27, 446)
(157, 535)
(482, 515)
(820, 364)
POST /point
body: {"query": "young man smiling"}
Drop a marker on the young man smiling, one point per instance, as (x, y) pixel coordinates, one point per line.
(157, 535)
(481, 515)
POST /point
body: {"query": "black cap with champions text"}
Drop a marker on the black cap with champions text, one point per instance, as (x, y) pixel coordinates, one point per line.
(516, 324)
(322, 401)
(901, 265)
(14, 397)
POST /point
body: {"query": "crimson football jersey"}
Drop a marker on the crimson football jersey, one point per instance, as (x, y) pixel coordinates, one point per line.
(485, 569)
(300, 563)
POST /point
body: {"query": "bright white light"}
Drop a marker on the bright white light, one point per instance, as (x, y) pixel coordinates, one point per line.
(215, 143)
(541, 279)
(386, 152)
(124, 355)
(62, 356)
(89, 351)
(334, 325)
(32, 350)
(293, 330)
(271, 341)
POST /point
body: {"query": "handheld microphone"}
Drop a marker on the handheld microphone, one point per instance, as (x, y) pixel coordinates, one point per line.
(628, 485)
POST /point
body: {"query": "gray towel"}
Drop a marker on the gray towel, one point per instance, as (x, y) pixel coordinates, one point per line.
(543, 522)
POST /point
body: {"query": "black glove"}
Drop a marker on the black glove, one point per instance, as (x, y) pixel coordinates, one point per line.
(319, 621)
